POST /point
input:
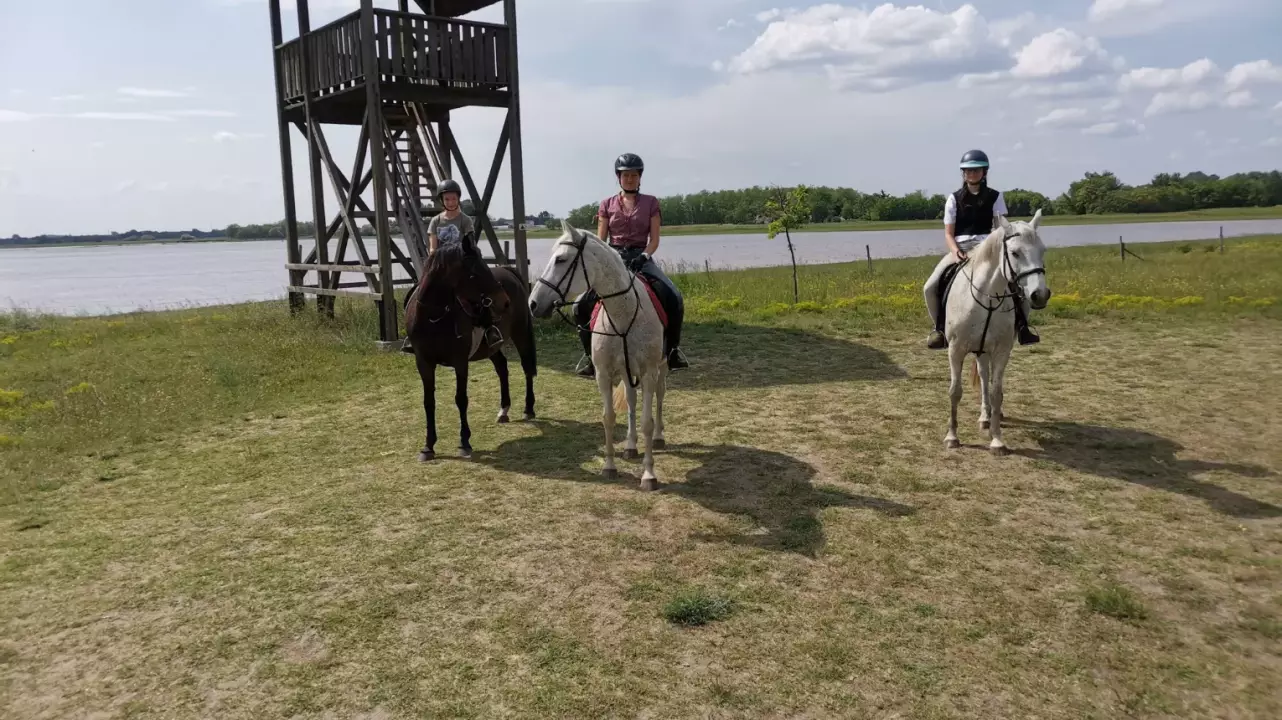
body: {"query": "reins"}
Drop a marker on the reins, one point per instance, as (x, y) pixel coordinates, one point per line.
(1012, 285)
(446, 310)
(563, 302)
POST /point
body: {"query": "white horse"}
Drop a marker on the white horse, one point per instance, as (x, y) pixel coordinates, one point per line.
(1004, 269)
(627, 341)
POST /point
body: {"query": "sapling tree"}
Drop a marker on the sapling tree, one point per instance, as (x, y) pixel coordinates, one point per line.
(787, 211)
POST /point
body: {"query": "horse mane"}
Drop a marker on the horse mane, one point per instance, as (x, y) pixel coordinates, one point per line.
(989, 250)
(439, 263)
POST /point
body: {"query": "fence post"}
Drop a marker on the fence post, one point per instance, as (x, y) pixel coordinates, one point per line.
(1221, 239)
(1122, 243)
(868, 252)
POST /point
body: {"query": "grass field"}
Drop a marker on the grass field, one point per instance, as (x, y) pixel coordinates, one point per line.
(217, 513)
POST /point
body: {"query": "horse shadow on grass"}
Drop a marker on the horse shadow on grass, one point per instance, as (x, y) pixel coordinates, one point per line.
(729, 355)
(1142, 458)
(772, 490)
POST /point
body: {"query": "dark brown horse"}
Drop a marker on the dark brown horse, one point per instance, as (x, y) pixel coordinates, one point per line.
(446, 316)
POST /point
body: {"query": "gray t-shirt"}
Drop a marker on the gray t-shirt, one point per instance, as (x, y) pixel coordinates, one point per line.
(447, 230)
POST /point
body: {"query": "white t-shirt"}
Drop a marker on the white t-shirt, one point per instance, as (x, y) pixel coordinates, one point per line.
(950, 208)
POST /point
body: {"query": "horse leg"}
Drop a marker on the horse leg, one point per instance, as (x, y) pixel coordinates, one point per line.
(505, 397)
(996, 390)
(460, 399)
(630, 447)
(956, 356)
(660, 388)
(648, 479)
(529, 366)
(607, 421)
(984, 367)
(427, 371)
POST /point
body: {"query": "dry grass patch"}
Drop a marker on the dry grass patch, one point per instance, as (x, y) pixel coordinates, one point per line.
(274, 550)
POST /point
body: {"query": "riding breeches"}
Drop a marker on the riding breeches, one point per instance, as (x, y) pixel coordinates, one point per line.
(668, 294)
(931, 289)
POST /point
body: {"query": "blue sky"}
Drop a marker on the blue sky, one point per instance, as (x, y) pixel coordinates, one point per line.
(158, 114)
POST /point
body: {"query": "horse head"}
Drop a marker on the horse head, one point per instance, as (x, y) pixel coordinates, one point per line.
(1024, 256)
(565, 276)
(460, 269)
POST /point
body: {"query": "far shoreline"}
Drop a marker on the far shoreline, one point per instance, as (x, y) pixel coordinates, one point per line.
(1209, 215)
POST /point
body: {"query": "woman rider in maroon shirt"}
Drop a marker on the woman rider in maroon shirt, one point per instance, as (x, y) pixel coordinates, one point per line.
(629, 221)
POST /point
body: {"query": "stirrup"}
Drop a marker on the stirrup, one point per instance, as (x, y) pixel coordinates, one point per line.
(936, 340)
(1028, 337)
(493, 336)
(406, 347)
(585, 367)
(677, 359)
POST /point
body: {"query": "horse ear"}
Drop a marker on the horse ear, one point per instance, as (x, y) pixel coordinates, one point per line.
(570, 230)
(1037, 218)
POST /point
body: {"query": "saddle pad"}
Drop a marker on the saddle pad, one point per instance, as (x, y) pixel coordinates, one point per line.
(654, 298)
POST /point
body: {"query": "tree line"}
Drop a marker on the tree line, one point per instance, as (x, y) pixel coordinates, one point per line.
(1095, 193)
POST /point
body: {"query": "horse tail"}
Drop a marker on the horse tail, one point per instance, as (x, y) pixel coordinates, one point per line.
(974, 373)
(620, 398)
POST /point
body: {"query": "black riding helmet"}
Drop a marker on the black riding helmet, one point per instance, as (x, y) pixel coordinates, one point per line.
(974, 159)
(628, 161)
(448, 186)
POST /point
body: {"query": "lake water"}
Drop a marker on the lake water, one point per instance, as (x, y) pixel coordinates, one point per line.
(109, 279)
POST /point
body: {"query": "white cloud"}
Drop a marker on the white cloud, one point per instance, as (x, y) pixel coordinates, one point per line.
(1240, 99)
(885, 48)
(731, 23)
(1197, 73)
(134, 116)
(1063, 117)
(1112, 105)
(1102, 11)
(67, 98)
(200, 113)
(15, 116)
(1273, 142)
(766, 16)
(1165, 103)
(228, 136)
(137, 92)
(1062, 53)
(1257, 72)
(1115, 128)
(1098, 86)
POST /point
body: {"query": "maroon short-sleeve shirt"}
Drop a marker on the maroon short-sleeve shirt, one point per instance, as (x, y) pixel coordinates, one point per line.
(629, 228)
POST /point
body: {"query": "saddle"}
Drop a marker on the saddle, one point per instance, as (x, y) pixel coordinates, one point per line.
(648, 283)
(945, 284)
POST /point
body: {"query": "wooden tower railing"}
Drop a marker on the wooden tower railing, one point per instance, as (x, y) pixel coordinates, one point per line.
(397, 75)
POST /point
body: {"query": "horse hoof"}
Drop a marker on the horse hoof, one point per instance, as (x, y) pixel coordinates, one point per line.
(649, 484)
(426, 456)
(659, 444)
(503, 420)
(610, 474)
(952, 444)
(630, 454)
(1000, 451)
(465, 453)
(529, 415)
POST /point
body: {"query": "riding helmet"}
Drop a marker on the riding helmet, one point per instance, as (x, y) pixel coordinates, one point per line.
(628, 161)
(974, 159)
(448, 186)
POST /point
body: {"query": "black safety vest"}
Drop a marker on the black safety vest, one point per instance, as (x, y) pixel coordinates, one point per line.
(975, 211)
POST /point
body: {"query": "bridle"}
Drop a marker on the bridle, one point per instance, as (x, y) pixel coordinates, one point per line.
(1014, 292)
(563, 301)
(464, 305)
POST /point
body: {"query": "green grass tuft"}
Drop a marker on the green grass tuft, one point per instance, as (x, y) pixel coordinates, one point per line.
(696, 607)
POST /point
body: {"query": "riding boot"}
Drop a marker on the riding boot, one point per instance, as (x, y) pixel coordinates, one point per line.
(1026, 335)
(582, 317)
(585, 367)
(676, 315)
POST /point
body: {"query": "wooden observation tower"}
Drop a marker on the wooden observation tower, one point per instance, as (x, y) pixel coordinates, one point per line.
(396, 74)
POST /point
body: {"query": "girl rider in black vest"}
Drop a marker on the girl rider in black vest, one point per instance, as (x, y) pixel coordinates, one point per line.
(970, 215)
